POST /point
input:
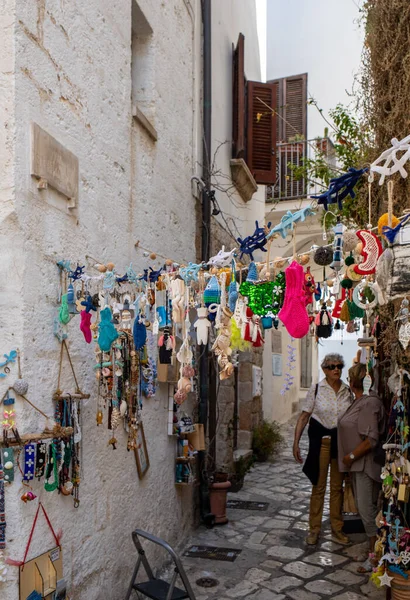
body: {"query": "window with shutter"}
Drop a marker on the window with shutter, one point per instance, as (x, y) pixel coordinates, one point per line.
(261, 131)
(238, 95)
(292, 107)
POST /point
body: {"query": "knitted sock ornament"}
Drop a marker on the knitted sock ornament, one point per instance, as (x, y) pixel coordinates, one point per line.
(85, 326)
(293, 313)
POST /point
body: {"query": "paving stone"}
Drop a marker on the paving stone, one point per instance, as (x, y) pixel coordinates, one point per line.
(279, 584)
(276, 524)
(284, 552)
(301, 569)
(300, 594)
(325, 559)
(266, 595)
(331, 546)
(350, 596)
(301, 526)
(257, 575)
(257, 537)
(271, 564)
(372, 592)
(323, 587)
(357, 550)
(256, 547)
(346, 578)
(242, 589)
(253, 520)
(290, 513)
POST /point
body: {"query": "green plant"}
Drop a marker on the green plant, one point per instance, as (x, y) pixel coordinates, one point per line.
(266, 437)
(242, 466)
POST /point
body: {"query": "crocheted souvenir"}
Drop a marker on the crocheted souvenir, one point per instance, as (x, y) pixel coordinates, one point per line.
(323, 256)
(85, 325)
(309, 286)
(237, 343)
(288, 221)
(350, 240)
(384, 222)
(107, 332)
(293, 312)
(64, 314)
(260, 295)
(324, 323)
(233, 293)
(256, 241)
(391, 232)
(212, 292)
(202, 325)
(139, 333)
(222, 259)
(278, 292)
(340, 188)
(178, 300)
(338, 306)
(371, 251)
(336, 264)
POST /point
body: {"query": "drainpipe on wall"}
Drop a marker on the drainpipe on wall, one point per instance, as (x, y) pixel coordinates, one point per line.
(206, 515)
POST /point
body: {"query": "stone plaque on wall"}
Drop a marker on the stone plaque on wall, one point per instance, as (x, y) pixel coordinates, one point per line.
(276, 342)
(53, 165)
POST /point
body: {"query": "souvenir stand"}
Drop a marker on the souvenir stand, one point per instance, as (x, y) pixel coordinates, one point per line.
(149, 329)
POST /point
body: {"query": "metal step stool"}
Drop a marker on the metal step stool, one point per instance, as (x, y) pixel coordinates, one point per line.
(158, 589)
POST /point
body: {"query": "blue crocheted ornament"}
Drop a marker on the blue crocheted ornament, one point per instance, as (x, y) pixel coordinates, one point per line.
(340, 188)
(252, 273)
(140, 334)
(256, 241)
(212, 292)
(107, 332)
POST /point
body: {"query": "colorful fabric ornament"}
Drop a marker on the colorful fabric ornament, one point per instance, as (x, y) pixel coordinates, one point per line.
(349, 240)
(393, 159)
(41, 455)
(371, 251)
(384, 222)
(222, 259)
(323, 256)
(85, 326)
(324, 323)
(139, 333)
(336, 264)
(256, 241)
(293, 312)
(29, 461)
(64, 314)
(288, 221)
(107, 332)
(260, 295)
(2, 511)
(391, 232)
(212, 292)
(340, 187)
(278, 292)
(309, 286)
(202, 325)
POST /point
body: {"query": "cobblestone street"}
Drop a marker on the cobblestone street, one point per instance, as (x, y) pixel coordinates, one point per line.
(275, 563)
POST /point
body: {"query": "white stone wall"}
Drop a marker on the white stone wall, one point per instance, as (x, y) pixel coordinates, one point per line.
(66, 66)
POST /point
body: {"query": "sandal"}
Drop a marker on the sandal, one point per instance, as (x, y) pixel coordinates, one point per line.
(366, 567)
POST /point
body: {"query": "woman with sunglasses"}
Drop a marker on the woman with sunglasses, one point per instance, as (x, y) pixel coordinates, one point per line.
(360, 429)
(324, 405)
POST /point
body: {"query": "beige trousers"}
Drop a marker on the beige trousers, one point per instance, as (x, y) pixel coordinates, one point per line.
(318, 492)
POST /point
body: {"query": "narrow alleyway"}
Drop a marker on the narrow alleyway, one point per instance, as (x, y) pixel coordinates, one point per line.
(275, 563)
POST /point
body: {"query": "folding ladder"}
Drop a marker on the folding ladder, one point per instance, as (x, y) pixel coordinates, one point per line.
(158, 589)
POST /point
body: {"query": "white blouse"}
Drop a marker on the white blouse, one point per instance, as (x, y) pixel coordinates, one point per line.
(328, 407)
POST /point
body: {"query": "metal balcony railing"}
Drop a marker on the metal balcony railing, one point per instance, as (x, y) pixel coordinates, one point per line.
(290, 156)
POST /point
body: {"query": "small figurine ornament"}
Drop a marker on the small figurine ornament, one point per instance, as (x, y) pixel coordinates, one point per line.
(202, 325)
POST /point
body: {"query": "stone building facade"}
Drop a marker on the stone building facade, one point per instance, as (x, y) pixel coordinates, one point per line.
(118, 85)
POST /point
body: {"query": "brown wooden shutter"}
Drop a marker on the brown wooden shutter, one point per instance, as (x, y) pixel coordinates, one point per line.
(238, 98)
(261, 133)
(292, 106)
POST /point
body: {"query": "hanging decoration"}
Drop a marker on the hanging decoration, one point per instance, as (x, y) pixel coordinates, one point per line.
(340, 187)
(288, 222)
(256, 241)
(370, 252)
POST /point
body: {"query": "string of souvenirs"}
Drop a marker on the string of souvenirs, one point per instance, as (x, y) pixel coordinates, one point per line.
(142, 324)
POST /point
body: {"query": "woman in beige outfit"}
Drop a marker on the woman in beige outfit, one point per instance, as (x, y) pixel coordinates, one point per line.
(325, 403)
(359, 432)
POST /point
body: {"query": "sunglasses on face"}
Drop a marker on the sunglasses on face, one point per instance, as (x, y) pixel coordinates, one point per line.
(333, 367)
